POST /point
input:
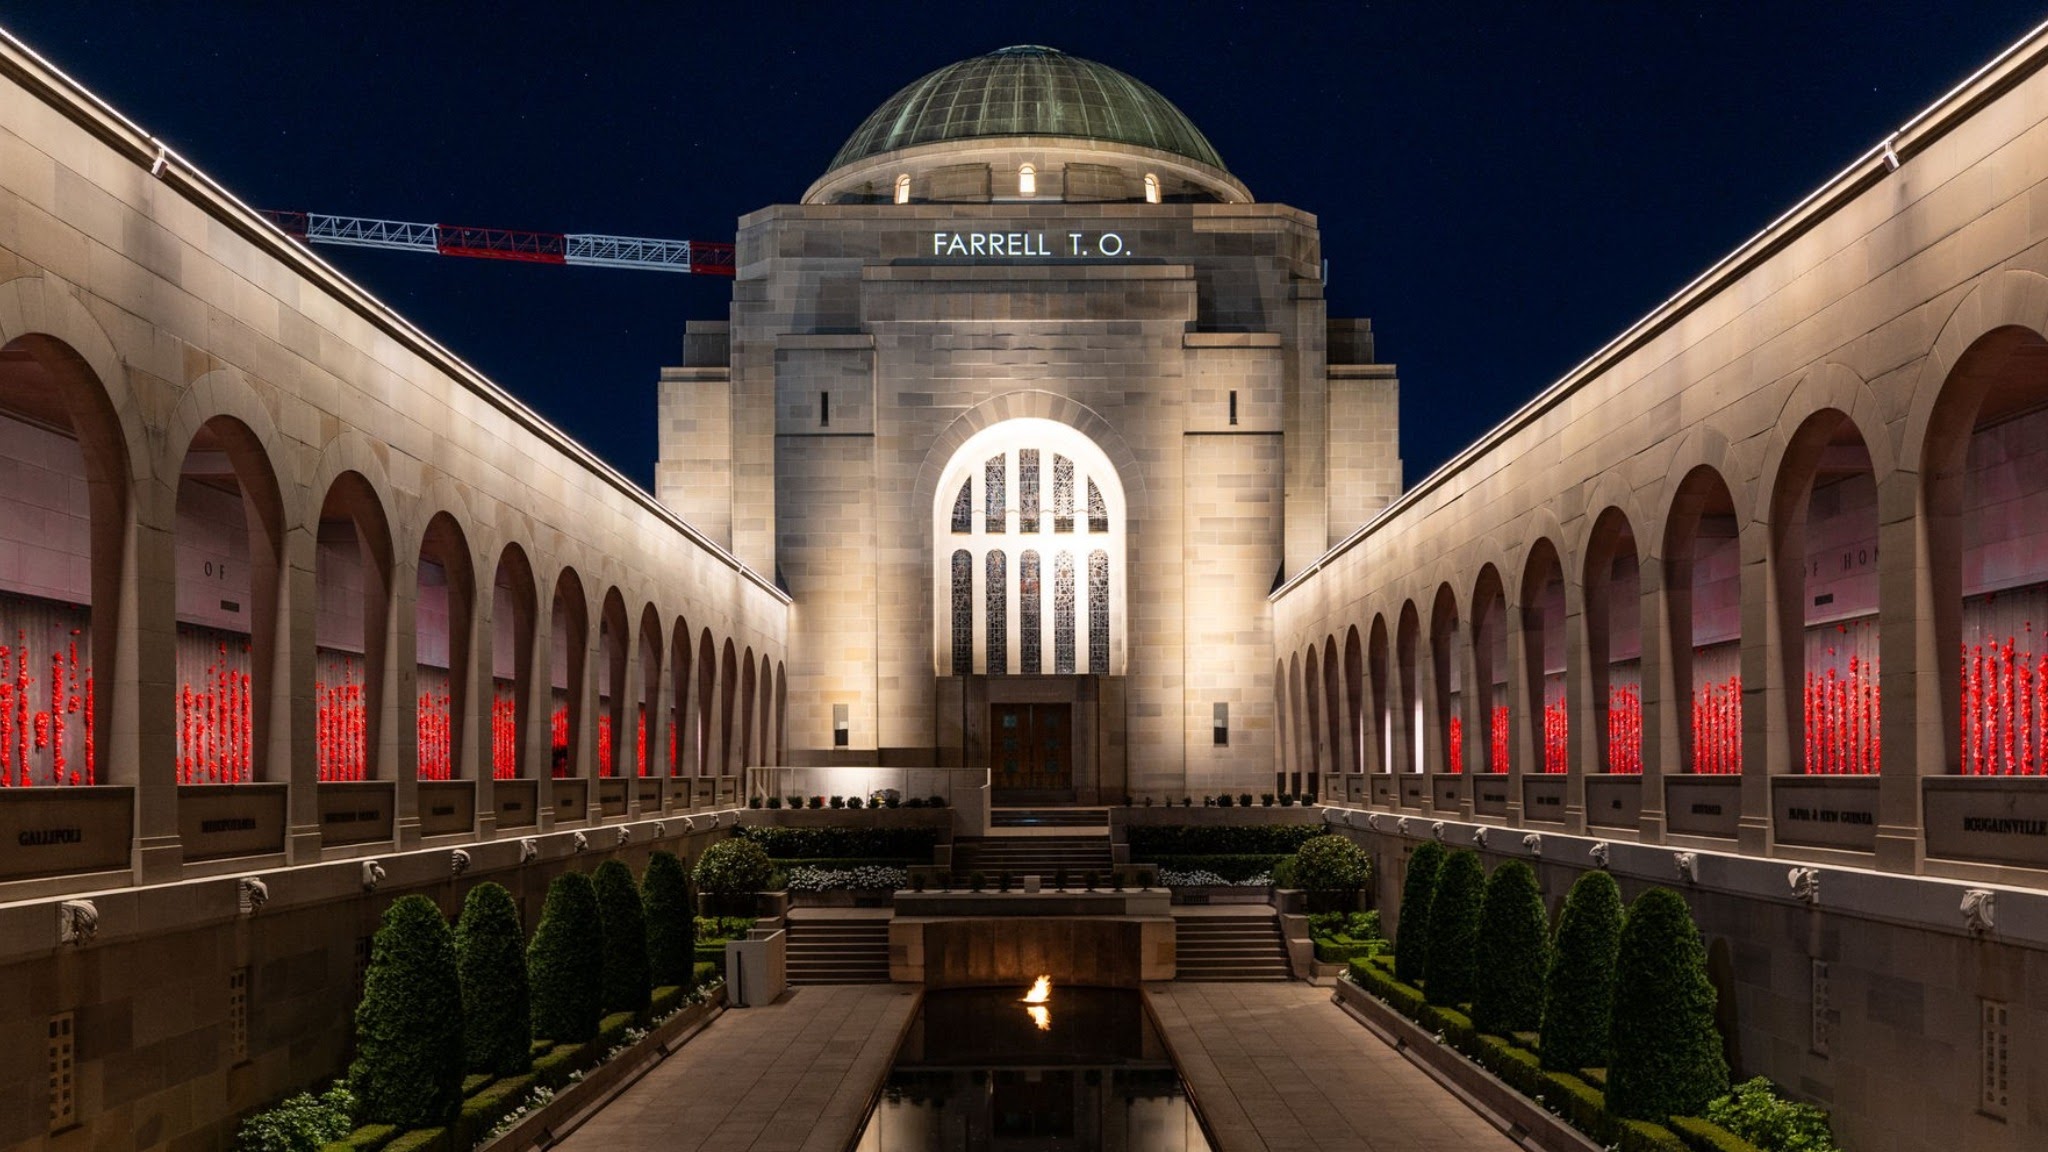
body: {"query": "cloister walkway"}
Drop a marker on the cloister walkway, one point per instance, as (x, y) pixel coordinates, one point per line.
(1280, 1068)
(795, 1076)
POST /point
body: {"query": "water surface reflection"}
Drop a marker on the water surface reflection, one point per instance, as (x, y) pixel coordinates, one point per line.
(978, 1071)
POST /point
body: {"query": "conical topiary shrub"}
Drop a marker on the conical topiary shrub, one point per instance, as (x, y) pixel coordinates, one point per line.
(1578, 993)
(671, 920)
(1513, 952)
(490, 959)
(625, 937)
(1447, 976)
(1667, 1053)
(1411, 943)
(408, 1065)
(565, 962)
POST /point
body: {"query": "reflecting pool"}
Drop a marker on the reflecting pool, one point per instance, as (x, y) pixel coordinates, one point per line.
(983, 1069)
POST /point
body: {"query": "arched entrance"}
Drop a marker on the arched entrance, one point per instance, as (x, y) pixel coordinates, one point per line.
(1028, 580)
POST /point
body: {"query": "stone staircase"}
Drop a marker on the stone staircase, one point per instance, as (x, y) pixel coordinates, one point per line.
(1092, 819)
(1237, 946)
(1032, 855)
(838, 949)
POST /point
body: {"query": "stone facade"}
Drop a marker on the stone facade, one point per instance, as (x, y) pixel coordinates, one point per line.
(864, 349)
(184, 389)
(1749, 600)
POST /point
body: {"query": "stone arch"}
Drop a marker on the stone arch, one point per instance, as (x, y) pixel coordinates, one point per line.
(747, 724)
(710, 759)
(568, 648)
(1379, 663)
(1446, 680)
(2011, 298)
(1827, 441)
(354, 703)
(728, 691)
(781, 712)
(764, 709)
(223, 468)
(515, 617)
(1412, 747)
(685, 756)
(1488, 611)
(1704, 677)
(650, 734)
(1615, 632)
(1828, 387)
(1979, 501)
(1543, 618)
(440, 723)
(615, 648)
(1297, 728)
(1354, 698)
(1339, 756)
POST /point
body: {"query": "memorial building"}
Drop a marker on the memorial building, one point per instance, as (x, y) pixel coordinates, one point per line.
(1029, 403)
(1027, 468)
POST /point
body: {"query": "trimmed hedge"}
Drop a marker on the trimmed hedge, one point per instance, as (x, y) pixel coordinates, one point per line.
(1513, 952)
(625, 937)
(408, 1066)
(671, 917)
(1581, 1104)
(844, 843)
(1707, 1136)
(1149, 841)
(367, 1138)
(1449, 975)
(1232, 866)
(299, 1123)
(1331, 863)
(565, 962)
(1667, 1052)
(1757, 1114)
(735, 866)
(1578, 992)
(1411, 942)
(490, 961)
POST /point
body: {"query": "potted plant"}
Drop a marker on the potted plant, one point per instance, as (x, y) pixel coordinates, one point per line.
(775, 802)
(1244, 800)
(854, 802)
(1226, 800)
(1266, 799)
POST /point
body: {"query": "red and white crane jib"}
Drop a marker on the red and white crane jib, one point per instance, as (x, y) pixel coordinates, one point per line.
(509, 244)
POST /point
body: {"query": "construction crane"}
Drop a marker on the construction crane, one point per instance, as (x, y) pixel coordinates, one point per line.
(695, 256)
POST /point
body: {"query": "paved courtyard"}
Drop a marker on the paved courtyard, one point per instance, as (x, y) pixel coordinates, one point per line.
(1279, 1067)
(792, 1077)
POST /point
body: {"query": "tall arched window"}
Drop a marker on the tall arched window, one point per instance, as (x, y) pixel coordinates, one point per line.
(995, 584)
(963, 613)
(1151, 188)
(1027, 181)
(903, 188)
(1098, 610)
(975, 535)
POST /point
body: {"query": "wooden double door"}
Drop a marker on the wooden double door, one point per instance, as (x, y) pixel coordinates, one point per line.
(1032, 747)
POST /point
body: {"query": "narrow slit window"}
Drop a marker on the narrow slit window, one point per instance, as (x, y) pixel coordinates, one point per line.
(1063, 615)
(824, 409)
(1030, 662)
(1233, 407)
(996, 591)
(963, 613)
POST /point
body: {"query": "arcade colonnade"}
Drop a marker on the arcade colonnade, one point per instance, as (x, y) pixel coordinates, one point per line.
(284, 576)
(1767, 570)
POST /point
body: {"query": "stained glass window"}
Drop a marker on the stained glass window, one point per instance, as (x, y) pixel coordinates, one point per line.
(1098, 513)
(963, 507)
(1098, 609)
(963, 613)
(1029, 660)
(994, 497)
(998, 620)
(1027, 490)
(1063, 615)
(1062, 494)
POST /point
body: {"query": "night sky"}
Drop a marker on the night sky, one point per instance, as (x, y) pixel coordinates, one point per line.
(1502, 188)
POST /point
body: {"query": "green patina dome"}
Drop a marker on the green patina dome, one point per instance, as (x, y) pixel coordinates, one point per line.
(1027, 90)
